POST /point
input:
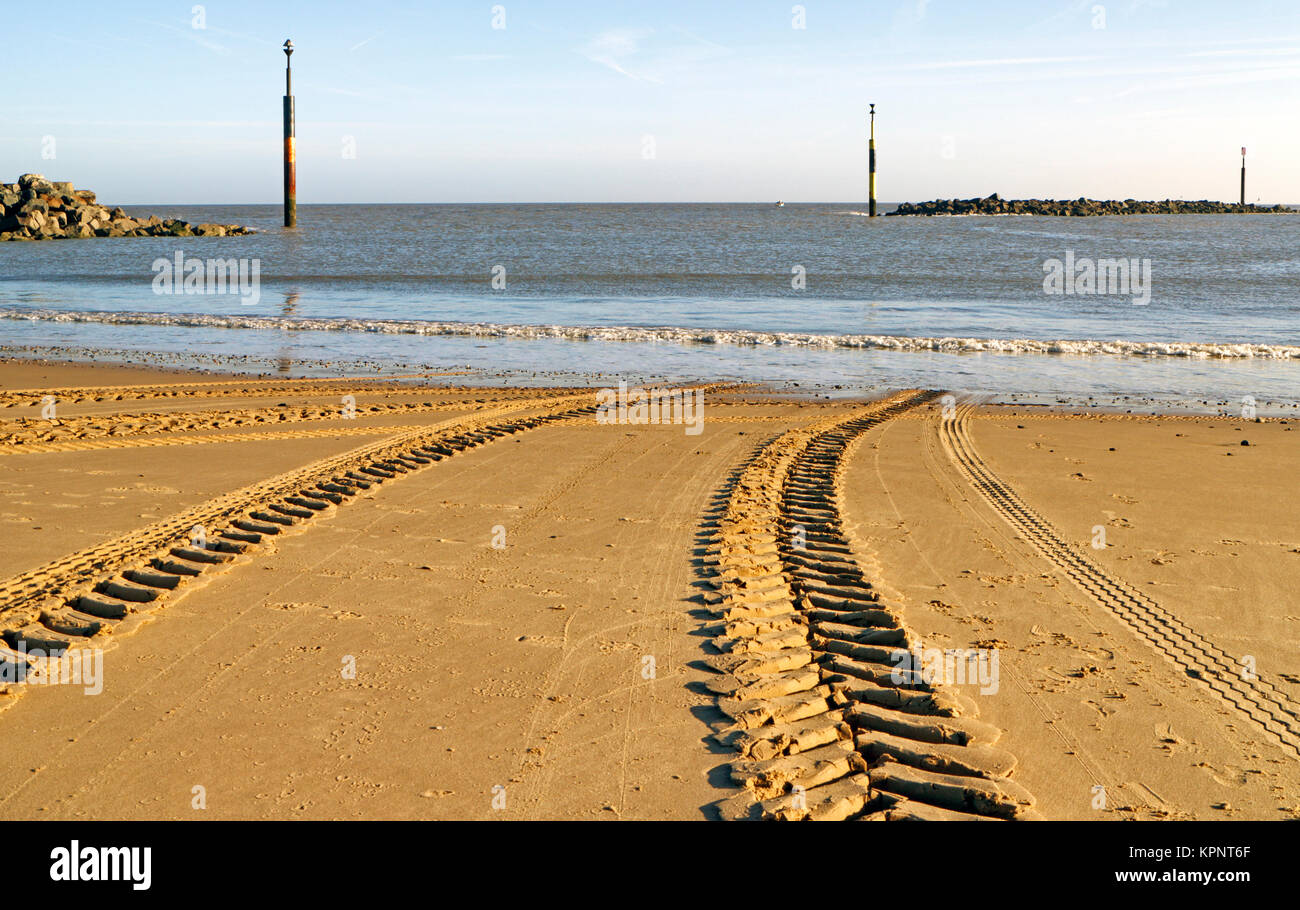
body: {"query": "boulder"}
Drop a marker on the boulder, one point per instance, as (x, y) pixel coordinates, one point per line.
(31, 221)
(33, 184)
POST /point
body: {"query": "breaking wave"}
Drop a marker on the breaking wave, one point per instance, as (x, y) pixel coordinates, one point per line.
(742, 337)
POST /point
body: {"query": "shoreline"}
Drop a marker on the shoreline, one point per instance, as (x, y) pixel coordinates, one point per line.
(1214, 387)
(675, 334)
(230, 367)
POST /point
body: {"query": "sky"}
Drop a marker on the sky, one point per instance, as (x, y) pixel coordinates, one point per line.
(661, 101)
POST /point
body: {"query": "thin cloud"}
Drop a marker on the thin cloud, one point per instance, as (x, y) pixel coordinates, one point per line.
(908, 17)
(1214, 80)
(613, 47)
(912, 12)
(648, 56)
(704, 41)
(1005, 61)
(1250, 52)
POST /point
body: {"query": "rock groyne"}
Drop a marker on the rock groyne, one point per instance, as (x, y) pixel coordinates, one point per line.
(1081, 207)
(38, 209)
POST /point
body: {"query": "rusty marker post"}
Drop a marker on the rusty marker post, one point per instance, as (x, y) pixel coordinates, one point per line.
(871, 191)
(290, 166)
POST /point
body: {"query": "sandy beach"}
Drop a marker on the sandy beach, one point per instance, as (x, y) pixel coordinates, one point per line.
(411, 599)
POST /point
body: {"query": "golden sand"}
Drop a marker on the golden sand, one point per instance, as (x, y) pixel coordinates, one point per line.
(462, 602)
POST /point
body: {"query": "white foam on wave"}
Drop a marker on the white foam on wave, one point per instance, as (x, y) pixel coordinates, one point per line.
(742, 337)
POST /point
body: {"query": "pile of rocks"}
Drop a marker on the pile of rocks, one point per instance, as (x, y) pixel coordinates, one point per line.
(995, 205)
(38, 209)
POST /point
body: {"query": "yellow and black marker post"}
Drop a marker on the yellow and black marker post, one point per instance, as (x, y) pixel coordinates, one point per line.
(871, 146)
(290, 165)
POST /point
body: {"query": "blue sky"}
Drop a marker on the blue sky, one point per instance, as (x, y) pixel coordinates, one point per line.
(671, 100)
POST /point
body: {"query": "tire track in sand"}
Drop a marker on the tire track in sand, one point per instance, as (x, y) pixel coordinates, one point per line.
(113, 588)
(176, 439)
(828, 722)
(39, 435)
(245, 388)
(1249, 694)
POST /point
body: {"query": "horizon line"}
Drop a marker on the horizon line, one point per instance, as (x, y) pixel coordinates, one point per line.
(766, 202)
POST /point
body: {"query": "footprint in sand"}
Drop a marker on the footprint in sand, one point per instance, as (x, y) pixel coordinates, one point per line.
(1058, 676)
(1224, 777)
(1098, 653)
(301, 606)
(546, 641)
(1099, 708)
(1168, 739)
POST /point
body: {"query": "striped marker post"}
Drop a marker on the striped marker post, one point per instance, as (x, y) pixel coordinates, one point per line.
(290, 164)
(871, 146)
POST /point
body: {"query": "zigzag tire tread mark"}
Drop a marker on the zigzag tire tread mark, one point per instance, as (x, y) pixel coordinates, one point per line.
(31, 434)
(85, 599)
(807, 658)
(1257, 698)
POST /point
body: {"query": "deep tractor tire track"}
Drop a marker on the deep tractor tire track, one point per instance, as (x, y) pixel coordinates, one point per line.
(85, 598)
(23, 436)
(808, 653)
(1252, 695)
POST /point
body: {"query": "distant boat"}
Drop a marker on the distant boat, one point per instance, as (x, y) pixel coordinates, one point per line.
(780, 204)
